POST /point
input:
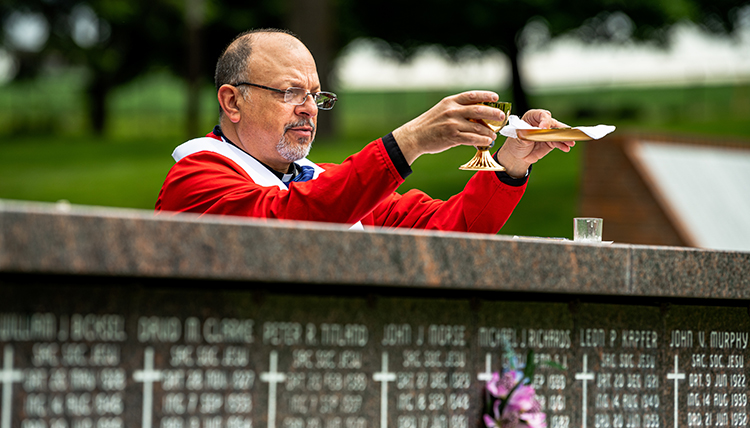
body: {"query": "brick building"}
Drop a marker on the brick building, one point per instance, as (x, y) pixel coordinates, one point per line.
(669, 191)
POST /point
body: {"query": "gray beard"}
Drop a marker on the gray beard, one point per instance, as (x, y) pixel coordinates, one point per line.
(290, 150)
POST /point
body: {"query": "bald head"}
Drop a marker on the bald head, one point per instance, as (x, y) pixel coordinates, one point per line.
(234, 63)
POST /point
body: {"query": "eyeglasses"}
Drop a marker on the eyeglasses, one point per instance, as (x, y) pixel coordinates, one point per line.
(298, 96)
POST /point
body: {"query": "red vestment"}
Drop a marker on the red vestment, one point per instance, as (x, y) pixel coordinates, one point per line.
(362, 188)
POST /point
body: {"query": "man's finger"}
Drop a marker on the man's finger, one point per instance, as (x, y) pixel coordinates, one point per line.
(480, 111)
(477, 127)
(473, 139)
(537, 117)
(551, 123)
(474, 97)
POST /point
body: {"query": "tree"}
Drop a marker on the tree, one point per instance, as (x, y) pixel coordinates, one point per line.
(117, 40)
(212, 25)
(314, 23)
(410, 24)
(113, 39)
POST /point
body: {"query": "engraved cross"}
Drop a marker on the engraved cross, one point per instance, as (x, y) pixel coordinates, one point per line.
(272, 376)
(7, 377)
(384, 376)
(676, 376)
(487, 375)
(148, 376)
(585, 376)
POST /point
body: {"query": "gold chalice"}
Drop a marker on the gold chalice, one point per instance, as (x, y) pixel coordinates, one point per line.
(482, 161)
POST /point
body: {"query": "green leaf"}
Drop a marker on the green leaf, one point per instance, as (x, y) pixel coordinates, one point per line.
(554, 365)
(528, 371)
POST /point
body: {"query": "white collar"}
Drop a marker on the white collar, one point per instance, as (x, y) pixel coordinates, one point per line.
(256, 170)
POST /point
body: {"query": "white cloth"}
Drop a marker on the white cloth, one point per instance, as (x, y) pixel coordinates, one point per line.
(256, 170)
(514, 123)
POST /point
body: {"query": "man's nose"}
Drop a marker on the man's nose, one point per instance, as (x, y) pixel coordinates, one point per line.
(308, 107)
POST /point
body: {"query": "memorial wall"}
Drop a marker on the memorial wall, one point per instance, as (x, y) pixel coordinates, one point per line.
(115, 318)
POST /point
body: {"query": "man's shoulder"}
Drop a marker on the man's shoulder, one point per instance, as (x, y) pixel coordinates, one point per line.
(207, 164)
(199, 145)
(205, 157)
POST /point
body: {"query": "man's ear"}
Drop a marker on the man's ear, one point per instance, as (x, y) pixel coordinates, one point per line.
(229, 99)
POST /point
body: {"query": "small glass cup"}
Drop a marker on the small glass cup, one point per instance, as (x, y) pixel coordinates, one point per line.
(587, 229)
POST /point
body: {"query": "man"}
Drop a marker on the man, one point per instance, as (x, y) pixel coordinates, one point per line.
(254, 163)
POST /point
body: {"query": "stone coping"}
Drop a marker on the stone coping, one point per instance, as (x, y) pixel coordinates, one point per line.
(45, 238)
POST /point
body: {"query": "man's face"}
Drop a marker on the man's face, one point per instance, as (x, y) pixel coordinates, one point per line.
(274, 131)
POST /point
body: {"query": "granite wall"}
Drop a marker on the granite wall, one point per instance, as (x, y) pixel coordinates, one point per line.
(118, 318)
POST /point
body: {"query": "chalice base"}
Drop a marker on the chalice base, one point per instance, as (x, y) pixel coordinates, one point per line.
(482, 161)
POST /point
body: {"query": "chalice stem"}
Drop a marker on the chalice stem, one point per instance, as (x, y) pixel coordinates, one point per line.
(482, 161)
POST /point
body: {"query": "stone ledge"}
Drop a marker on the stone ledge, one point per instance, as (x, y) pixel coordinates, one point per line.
(45, 238)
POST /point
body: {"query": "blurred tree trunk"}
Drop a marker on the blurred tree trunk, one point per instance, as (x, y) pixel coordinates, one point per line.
(97, 92)
(313, 22)
(520, 100)
(194, 18)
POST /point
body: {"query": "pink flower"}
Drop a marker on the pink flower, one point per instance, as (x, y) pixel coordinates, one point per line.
(535, 420)
(492, 385)
(489, 422)
(500, 386)
(522, 400)
(520, 409)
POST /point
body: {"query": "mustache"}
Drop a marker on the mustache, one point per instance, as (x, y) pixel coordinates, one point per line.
(301, 122)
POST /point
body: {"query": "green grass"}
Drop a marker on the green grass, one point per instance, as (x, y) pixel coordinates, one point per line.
(46, 154)
(120, 173)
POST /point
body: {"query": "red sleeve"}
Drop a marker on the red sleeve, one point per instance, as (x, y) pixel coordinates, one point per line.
(483, 206)
(209, 183)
